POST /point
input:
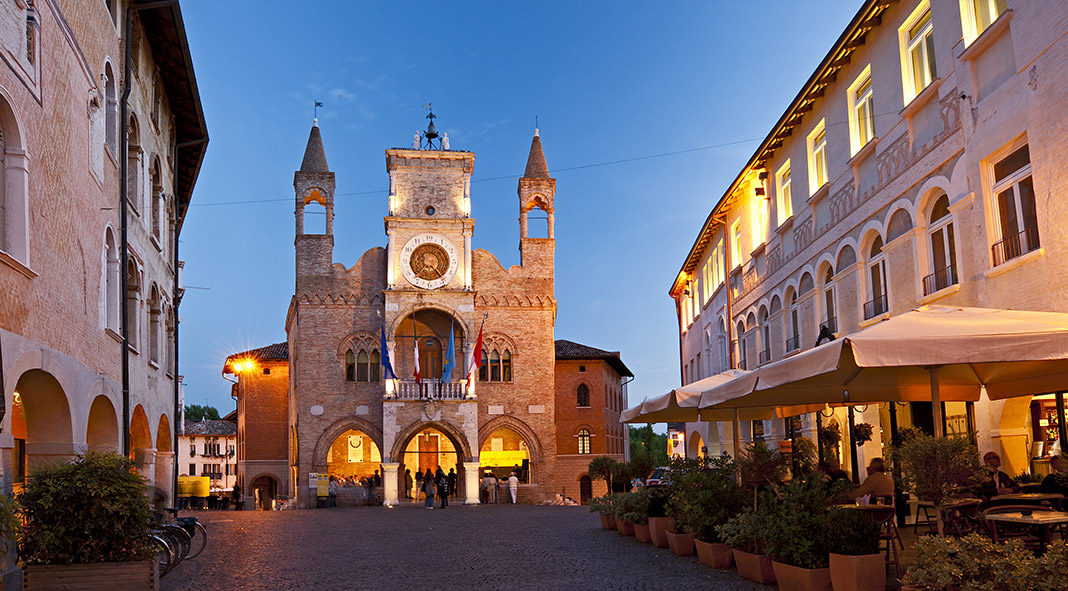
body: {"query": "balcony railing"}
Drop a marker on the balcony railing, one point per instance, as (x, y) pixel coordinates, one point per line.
(939, 280)
(793, 343)
(831, 324)
(1015, 245)
(875, 307)
(765, 356)
(430, 390)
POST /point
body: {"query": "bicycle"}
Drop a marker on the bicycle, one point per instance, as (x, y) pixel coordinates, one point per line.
(198, 534)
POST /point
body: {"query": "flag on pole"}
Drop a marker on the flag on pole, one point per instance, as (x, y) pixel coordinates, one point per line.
(416, 360)
(386, 365)
(450, 358)
(476, 357)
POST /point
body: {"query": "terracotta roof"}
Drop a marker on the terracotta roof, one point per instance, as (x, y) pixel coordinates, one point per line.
(210, 427)
(165, 33)
(572, 350)
(536, 167)
(314, 155)
(275, 352)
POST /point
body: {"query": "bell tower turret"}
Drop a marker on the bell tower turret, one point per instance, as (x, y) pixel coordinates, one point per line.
(313, 185)
(536, 191)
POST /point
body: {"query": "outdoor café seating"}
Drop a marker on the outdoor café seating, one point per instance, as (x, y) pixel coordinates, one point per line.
(1000, 531)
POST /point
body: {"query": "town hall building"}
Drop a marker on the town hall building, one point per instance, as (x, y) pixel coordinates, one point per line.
(373, 376)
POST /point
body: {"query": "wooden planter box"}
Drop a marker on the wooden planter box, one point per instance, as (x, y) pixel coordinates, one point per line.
(97, 576)
(795, 578)
(713, 554)
(624, 528)
(755, 567)
(680, 544)
(858, 573)
(607, 521)
(641, 531)
(658, 528)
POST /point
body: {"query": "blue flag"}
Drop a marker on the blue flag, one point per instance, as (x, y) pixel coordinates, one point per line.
(387, 374)
(450, 358)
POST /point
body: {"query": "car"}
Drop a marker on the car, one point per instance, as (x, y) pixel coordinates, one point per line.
(659, 477)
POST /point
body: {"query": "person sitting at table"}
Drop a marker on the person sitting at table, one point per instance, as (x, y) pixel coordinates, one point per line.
(1057, 480)
(878, 484)
(995, 481)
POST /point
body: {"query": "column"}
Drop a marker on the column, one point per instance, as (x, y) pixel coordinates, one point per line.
(145, 460)
(467, 258)
(552, 231)
(164, 475)
(389, 260)
(471, 470)
(391, 385)
(523, 224)
(389, 483)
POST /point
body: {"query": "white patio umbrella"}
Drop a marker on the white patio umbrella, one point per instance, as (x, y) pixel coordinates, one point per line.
(932, 353)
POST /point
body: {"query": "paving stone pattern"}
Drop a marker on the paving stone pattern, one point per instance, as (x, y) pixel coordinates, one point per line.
(484, 547)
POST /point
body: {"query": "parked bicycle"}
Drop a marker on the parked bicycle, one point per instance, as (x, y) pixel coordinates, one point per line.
(177, 539)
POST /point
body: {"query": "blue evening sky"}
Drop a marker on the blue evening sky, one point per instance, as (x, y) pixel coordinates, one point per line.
(608, 82)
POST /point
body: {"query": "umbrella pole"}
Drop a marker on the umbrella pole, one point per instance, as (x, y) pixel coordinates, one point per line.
(936, 402)
(819, 429)
(737, 442)
(853, 448)
(1062, 429)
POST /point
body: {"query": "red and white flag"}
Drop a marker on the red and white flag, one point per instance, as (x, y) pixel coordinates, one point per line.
(476, 358)
(416, 360)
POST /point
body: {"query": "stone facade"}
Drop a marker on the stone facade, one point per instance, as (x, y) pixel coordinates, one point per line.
(427, 285)
(919, 213)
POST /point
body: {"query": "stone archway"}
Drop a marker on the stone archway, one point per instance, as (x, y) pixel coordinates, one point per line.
(696, 446)
(164, 459)
(40, 423)
(141, 448)
(102, 430)
(263, 489)
(429, 444)
(500, 427)
(331, 433)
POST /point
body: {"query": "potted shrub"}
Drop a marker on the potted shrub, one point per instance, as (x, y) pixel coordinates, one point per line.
(659, 519)
(794, 541)
(708, 494)
(933, 468)
(86, 522)
(745, 534)
(622, 505)
(603, 505)
(761, 467)
(602, 468)
(852, 539)
(862, 433)
(635, 512)
(975, 562)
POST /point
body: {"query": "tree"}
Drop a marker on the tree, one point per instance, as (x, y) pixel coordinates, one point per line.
(933, 468)
(644, 441)
(602, 468)
(196, 412)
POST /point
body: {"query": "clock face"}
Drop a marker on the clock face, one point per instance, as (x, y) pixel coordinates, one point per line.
(428, 261)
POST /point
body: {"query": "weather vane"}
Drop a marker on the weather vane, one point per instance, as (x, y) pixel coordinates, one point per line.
(317, 105)
(431, 133)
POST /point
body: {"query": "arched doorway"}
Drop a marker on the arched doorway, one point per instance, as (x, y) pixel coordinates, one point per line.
(164, 458)
(102, 430)
(141, 450)
(264, 489)
(429, 449)
(697, 446)
(40, 424)
(353, 456)
(430, 328)
(504, 451)
(585, 489)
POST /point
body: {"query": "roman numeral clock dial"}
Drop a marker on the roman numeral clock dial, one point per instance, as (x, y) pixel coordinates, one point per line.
(428, 261)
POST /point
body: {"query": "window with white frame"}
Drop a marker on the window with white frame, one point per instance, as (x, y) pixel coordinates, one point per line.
(765, 337)
(943, 249)
(1017, 216)
(584, 441)
(794, 342)
(829, 308)
(861, 111)
(977, 15)
(759, 220)
(742, 361)
(817, 157)
(724, 353)
(876, 281)
(710, 285)
(717, 265)
(917, 52)
(784, 204)
(736, 243)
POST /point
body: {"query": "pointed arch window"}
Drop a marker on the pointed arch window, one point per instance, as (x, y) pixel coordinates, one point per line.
(584, 441)
(506, 366)
(483, 367)
(582, 396)
(376, 366)
(495, 366)
(362, 369)
(350, 366)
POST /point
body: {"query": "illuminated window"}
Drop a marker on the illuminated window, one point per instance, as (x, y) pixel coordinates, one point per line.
(584, 441)
(759, 220)
(817, 157)
(736, 243)
(1015, 206)
(862, 111)
(583, 395)
(977, 15)
(917, 52)
(350, 366)
(784, 205)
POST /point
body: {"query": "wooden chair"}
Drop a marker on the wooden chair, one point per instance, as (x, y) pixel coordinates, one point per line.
(889, 538)
(961, 518)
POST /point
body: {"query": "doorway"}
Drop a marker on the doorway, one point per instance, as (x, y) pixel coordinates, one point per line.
(585, 489)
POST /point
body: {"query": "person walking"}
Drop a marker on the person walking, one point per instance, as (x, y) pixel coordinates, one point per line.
(443, 488)
(428, 489)
(408, 484)
(452, 482)
(513, 486)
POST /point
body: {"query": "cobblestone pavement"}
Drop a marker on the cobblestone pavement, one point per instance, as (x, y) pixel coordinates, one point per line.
(409, 548)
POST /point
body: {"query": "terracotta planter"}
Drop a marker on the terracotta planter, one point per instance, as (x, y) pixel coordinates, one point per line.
(680, 544)
(858, 573)
(713, 554)
(795, 578)
(658, 528)
(607, 521)
(624, 528)
(755, 567)
(97, 576)
(641, 531)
